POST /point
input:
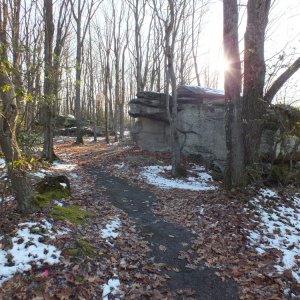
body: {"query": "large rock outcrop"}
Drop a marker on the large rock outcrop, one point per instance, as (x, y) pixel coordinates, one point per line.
(200, 119)
(201, 124)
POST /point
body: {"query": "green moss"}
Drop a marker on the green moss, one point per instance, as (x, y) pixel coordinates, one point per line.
(79, 278)
(72, 213)
(54, 193)
(73, 252)
(85, 248)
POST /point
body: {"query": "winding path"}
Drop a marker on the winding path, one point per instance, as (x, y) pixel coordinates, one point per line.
(137, 204)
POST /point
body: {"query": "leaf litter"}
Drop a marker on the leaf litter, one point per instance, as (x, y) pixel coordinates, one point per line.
(242, 235)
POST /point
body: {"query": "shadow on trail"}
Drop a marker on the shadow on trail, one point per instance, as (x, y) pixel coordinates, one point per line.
(137, 204)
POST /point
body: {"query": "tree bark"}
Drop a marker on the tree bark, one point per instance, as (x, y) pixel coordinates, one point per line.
(235, 169)
(254, 105)
(49, 105)
(8, 125)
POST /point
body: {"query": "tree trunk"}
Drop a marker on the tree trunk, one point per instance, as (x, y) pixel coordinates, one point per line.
(171, 76)
(254, 106)
(122, 102)
(235, 169)
(49, 105)
(78, 114)
(9, 145)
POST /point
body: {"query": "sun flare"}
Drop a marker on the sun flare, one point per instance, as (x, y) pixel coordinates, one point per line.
(225, 66)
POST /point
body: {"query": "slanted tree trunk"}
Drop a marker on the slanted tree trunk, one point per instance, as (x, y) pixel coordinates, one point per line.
(8, 124)
(235, 169)
(281, 80)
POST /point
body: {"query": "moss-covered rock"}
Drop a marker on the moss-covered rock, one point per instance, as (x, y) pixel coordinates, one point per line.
(51, 188)
(51, 182)
(72, 213)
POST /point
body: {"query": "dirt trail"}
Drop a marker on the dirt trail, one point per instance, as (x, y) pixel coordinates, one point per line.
(137, 204)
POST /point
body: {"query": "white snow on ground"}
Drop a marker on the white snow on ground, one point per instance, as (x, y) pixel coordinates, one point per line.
(7, 199)
(38, 174)
(64, 138)
(64, 185)
(73, 175)
(114, 144)
(58, 203)
(112, 287)
(120, 166)
(111, 228)
(278, 228)
(63, 166)
(28, 248)
(202, 181)
(90, 139)
(2, 163)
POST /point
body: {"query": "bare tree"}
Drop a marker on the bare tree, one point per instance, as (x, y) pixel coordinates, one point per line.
(171, 23)
(81, 30)
(138, 8)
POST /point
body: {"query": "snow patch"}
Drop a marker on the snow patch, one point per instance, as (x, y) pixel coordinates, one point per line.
(64, 185)
(279, 227)
(119, 166)
(114, 144)
(112, 287)
(2, 163)
(110, 229)
(73, 175)
(57, 203)
(28, 248)
(38, 174)
(62, 166)
(8, 198)
(202, 181)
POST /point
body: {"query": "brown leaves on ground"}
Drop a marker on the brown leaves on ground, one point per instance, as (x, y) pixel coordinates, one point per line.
(217, 220)
(220, 225)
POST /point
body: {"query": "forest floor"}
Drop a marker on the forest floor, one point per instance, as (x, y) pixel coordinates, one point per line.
(137, 233)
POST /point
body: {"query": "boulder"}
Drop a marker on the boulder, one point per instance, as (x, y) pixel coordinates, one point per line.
(50, 182)
(51, 187)
(65, 121)
(140, 109)
(288, 148)
(197, 92)
(152, 96)
(71, 131)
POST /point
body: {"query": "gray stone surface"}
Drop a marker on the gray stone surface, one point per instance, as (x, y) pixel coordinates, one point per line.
(200, 121)
(201, 124)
